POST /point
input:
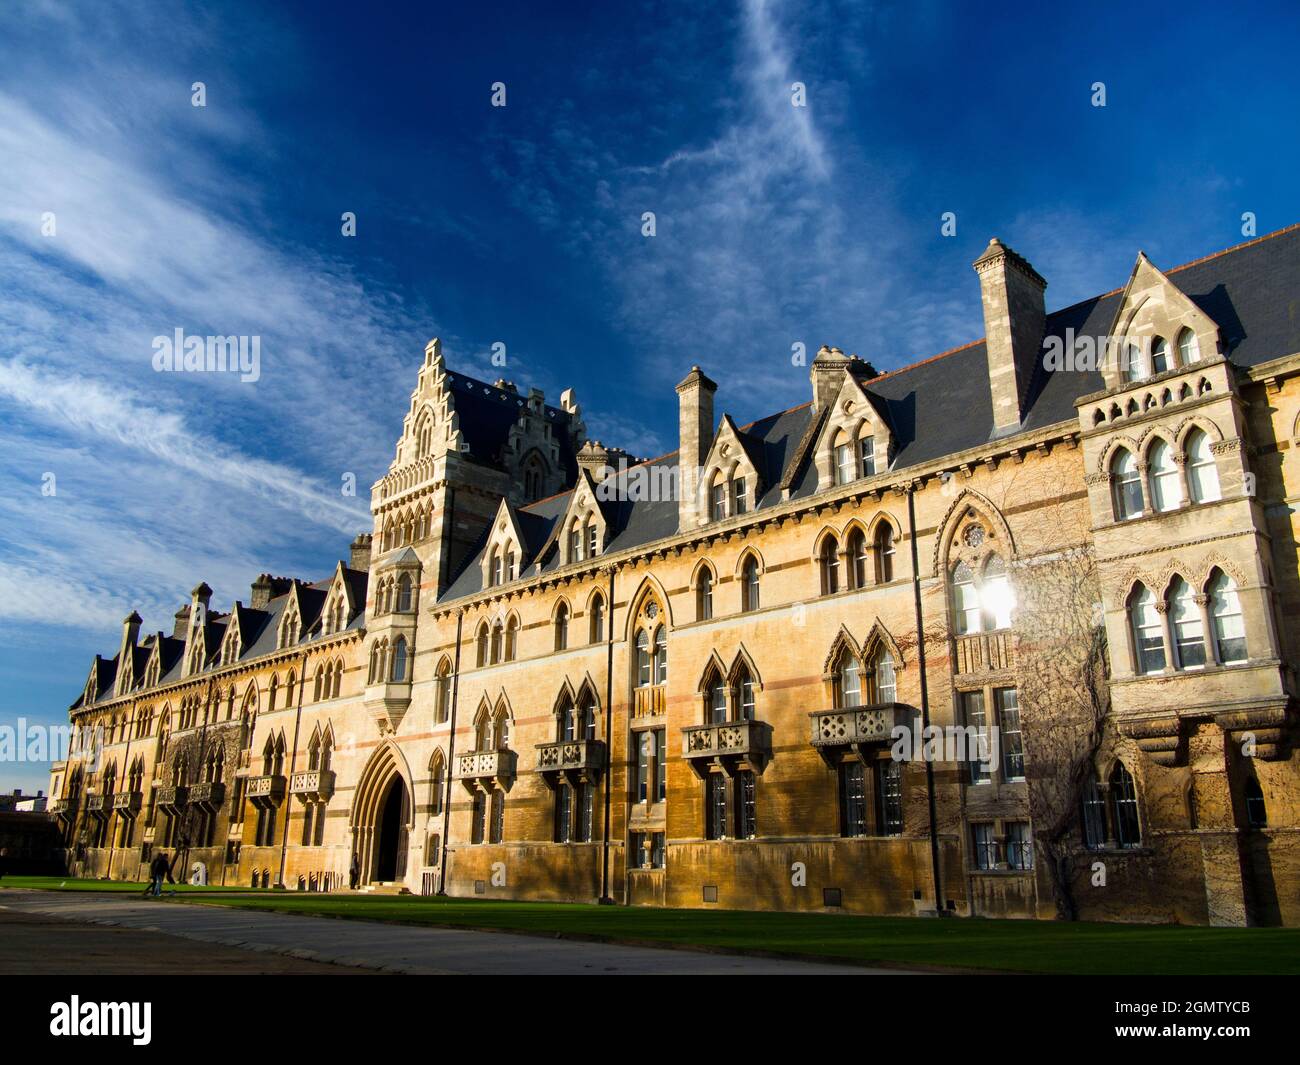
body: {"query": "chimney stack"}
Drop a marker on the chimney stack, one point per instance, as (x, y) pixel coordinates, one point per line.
(261, 592)
(359, 558)
(695, 430)
(198, 617)
(827, 376)
(1015, 318)
(126, 653)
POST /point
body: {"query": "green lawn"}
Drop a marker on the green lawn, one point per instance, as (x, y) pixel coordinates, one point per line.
(1025, 946)
(69, 883)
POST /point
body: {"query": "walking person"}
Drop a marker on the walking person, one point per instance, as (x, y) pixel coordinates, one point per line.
(354, 873)
(159, 868)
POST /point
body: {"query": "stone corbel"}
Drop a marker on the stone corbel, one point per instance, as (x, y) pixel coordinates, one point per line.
(1264, 729)
(1161, 739)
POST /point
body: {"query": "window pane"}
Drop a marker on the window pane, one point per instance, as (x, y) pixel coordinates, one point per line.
(1013, 750)
(1229, 628)
(889, 797)
(661, 765)
(977, 736)
(853, 800)
(1148, 632)
(1189, 642)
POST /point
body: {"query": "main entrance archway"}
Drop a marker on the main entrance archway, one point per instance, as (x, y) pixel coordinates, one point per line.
(381, 817)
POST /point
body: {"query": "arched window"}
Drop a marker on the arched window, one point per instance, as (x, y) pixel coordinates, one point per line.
(884, 553)
(596, 625)
(704, 594)
(442, 697)
(1225, 614)
(272, 692)
(885, 680)
(717, 692)
(659, 654)
(481, 644)
(512, 565)
(399, 659)
(749, 585)
(846, 463)
(867, 453)
(512, 637)
(494, 569)
(404, 592)
(483, 731)
(848, 680)
(562, 627)
(437, 784)
(1126, 485)
(644, 674)
(1166, 482)
(1159, 355)
(965, 600)
(1124, 807)
(996, 595)
(586, 717)
(501, 731)
(1148, 631)
(857, 553)
(1202, 472)
(718, 497)
(498, 638)
(829, 562)
(1256, 810)
(289, 686)
(1131, 359)
(1189, 637)
(739, 495)
(745, 692)
(1093, 815)
(1189, 350)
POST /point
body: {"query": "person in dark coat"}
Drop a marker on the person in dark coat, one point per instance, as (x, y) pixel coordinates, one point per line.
(354, 873)
(159, 868)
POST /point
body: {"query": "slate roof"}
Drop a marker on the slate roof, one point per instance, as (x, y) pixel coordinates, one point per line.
(487, 414)
(942, 405)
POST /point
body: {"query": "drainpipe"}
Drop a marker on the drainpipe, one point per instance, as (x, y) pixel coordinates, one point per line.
(451, 755)
(925, 702)
(293, 761)
(609, 739)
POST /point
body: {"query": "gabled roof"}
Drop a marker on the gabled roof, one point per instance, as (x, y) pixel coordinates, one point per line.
(486, 414)
(942, 405)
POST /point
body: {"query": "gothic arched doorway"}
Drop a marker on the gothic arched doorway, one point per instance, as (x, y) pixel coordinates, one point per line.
(381, 818)
(390, 834)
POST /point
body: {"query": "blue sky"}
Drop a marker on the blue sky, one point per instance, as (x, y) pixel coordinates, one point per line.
(522, 225)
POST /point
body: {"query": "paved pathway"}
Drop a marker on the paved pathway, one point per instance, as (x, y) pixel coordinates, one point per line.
(392, 948)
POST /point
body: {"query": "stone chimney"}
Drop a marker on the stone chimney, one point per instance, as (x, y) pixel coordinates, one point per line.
(198, 616)
(261, 592)
(827, 376)
(181, 624)
(1015, 318)
(359, 558)
(599, 460)
(695, 431)
(125, 653)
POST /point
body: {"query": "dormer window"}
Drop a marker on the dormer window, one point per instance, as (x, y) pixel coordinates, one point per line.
(575, 544)
(718, 499)
(845, 467)
(1189, 349)
(1159, 356)
(741, 495)
(867, 455)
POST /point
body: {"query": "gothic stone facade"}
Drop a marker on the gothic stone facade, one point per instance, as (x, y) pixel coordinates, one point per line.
(549, 672)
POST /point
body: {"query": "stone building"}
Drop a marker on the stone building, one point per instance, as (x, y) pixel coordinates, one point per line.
(1007, 632)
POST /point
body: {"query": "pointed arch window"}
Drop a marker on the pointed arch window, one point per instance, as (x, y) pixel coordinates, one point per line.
(745, 694)
(704, 595)
(884, 553)
(1189, 349)
(718, 497)
(442, 695)
(1159, 355)
(1166, 480)
(512, 638)
(399, 659)
(1124, 807)
(867, 455)
(498, 639)
(749, 585)
(857, 554)
(1132, 363)
(1202, 471)
(1094, 815)
(848, 680)
(717, 691)
(586, 717)
(494, 568)
(1189, 636)
(845, 461)
(1225, 613)
(829, 564)
(659, 654)
(965, 600)
(437, 784)
(404, 593)
(1148, 631)
(596, 633)
(644, 669)
(562, 627)
(1126, 486)
(885, 680)
(481, 644)
(996, 595)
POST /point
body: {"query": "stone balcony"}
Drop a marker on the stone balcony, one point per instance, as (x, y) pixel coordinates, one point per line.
(576, 756)
(209, 794)
(127, 802)
(313, 785)
(61, 807)
(726, 742)
(982, 652)
(855, 725)
(172, 796)
(387, 701)
(269, 787)
(98, 804)
(650, 701)
(487, 767)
